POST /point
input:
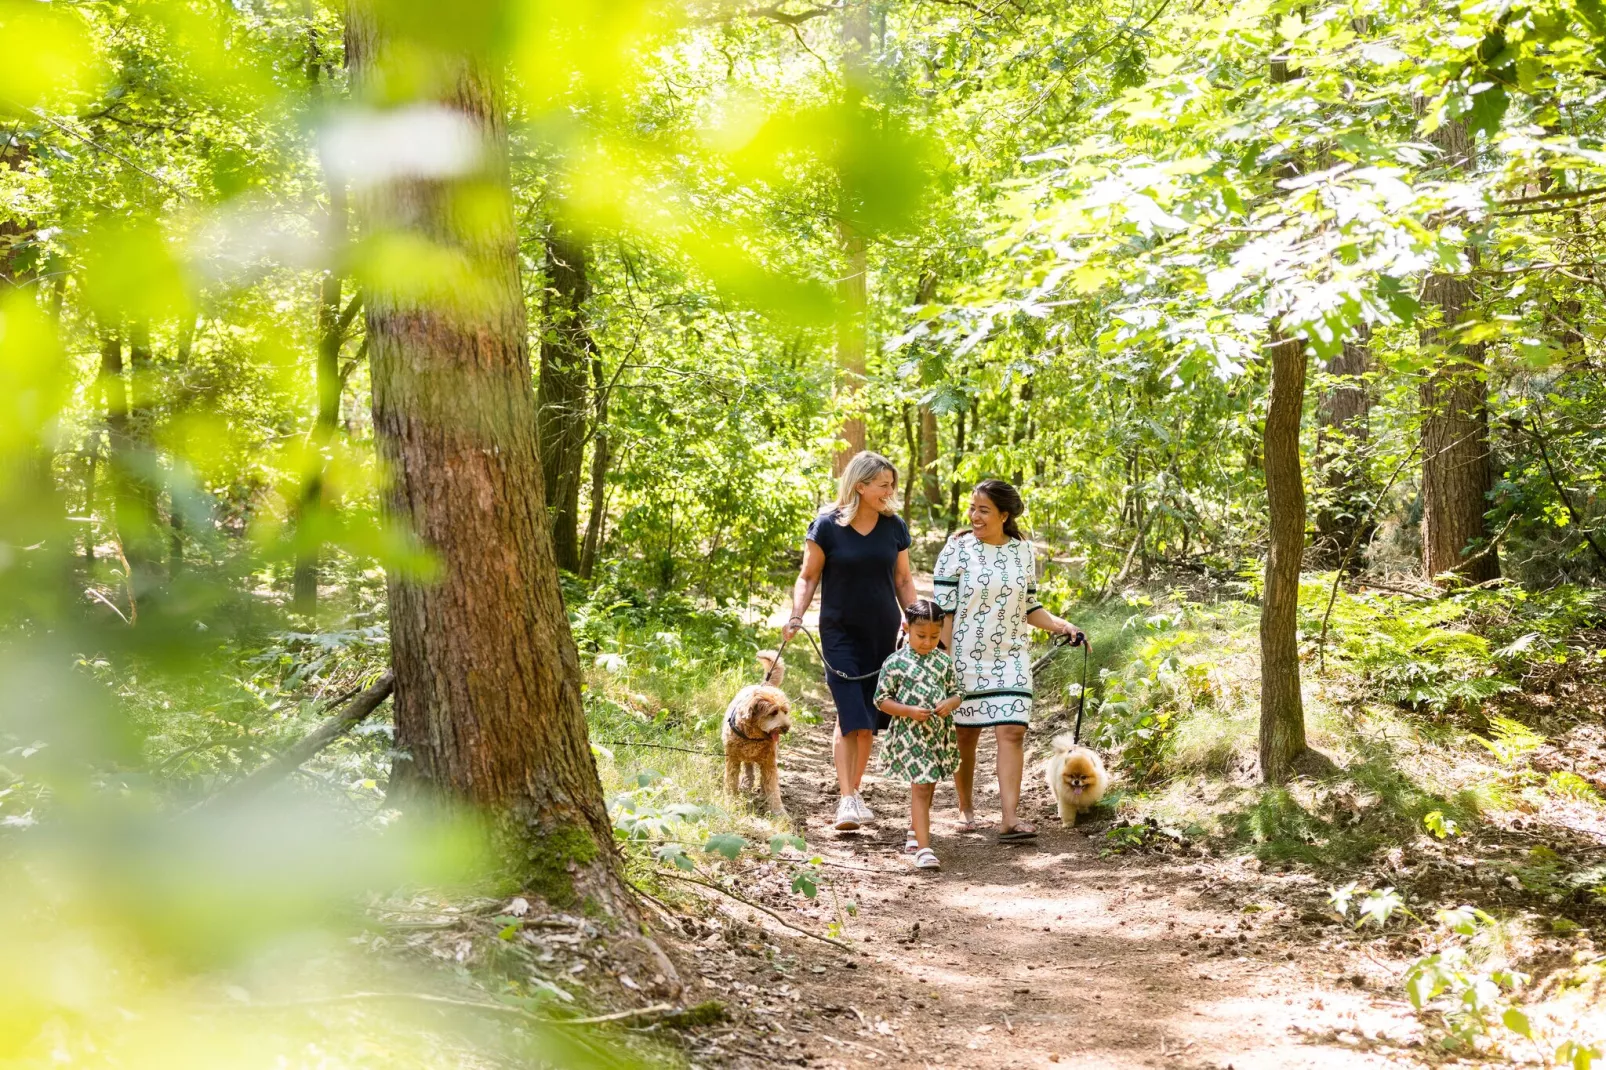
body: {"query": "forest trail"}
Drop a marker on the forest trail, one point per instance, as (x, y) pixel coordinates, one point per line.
(1050, 955)
(1055, 954)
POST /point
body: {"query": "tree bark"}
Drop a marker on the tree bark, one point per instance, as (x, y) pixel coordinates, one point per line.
(328, 381)
(601, 458)
(953, 487)
(487, 701)
(1282, 709)
(852, 322)
(930, 484)
(1457, 471)
(1342, 413)
(566, 348)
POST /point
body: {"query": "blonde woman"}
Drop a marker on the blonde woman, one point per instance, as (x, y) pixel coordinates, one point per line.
(857, 554)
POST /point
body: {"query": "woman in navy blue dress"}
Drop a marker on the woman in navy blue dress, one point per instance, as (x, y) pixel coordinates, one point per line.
(857, 554)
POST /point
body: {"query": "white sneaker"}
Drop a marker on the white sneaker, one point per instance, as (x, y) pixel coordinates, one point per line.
(847, 815)
(865, 813)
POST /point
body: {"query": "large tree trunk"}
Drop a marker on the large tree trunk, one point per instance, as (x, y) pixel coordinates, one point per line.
(488, 708)
(1282, 709)
(1344, 521)
(852, 323)
(1457, 472)
(565, 356)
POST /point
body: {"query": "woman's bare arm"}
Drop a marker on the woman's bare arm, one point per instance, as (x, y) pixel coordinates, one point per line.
(808, 578)
(1042, 618)
(903, 580)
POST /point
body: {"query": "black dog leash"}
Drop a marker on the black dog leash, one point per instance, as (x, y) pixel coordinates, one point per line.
(1060, 643)
(828, 666)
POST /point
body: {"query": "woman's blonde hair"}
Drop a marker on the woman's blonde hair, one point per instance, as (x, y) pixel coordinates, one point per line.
(864, 467)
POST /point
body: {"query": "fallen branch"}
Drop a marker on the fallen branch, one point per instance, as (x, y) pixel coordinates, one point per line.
(309, 745)
(748, 902)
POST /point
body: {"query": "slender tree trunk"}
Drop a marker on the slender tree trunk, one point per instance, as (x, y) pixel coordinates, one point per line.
(930, 484)
(1457, 470)
(852, 324)
(601, 457)
(487, 699)
(1343, 411)
(180, 484)
(329, 383)
(566, 349)
(139, 504)
(1282, 708)
(959, 455)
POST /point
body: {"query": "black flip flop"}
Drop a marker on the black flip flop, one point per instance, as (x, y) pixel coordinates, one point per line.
(1017, 835)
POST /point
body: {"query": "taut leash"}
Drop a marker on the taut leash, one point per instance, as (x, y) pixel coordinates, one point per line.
(1060, 643)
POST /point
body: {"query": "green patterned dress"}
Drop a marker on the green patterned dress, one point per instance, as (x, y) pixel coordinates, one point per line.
(920, 752)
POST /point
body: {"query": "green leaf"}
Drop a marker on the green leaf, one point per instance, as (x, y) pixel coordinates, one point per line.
(1517, 1022)
(725, 844)
(782, 842)
(806, 882)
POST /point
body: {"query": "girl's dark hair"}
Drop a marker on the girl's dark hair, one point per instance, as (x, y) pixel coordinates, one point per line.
(923, 609)
(1006, 499)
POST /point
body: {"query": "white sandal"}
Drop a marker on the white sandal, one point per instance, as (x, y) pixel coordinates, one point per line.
(910, 843)
(926, 858)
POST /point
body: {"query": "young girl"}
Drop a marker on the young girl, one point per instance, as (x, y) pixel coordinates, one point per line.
(919, 689)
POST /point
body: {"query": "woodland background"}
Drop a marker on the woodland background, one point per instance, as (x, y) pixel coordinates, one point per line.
(497, 357)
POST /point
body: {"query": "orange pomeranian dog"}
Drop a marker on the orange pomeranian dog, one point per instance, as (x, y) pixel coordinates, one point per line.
(1077, 778)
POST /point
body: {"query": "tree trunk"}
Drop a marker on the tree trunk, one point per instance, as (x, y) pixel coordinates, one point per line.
(1282, 710)
(953, 487)
(852, 322)
(178, 488)
(601, 457)
(329, 383)
(1282, 707)
(566, 349)
(931, 485)
(1457, 472)
(487, 703)
(127, 517)
(1344, 522)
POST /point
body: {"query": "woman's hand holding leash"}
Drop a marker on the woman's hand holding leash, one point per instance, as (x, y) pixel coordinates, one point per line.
(791, 628)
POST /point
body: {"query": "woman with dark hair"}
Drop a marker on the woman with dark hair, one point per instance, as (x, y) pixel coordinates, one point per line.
(986, 578)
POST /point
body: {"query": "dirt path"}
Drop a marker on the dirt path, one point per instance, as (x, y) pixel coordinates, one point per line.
(1047, 954)
(1051, 955)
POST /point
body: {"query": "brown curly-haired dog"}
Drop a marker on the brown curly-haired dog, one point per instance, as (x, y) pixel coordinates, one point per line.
(755, 720)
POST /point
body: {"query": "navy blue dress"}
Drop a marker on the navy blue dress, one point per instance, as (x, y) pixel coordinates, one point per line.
(859, 611)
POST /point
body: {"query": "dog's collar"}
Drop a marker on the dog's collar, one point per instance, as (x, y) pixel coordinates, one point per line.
(730, 722)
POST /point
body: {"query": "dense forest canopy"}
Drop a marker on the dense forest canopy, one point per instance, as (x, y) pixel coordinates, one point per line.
(474, 356)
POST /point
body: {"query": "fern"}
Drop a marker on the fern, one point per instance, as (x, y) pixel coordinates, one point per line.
(1512, 740)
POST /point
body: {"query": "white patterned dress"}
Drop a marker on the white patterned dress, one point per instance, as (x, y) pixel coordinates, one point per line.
(990, 590)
